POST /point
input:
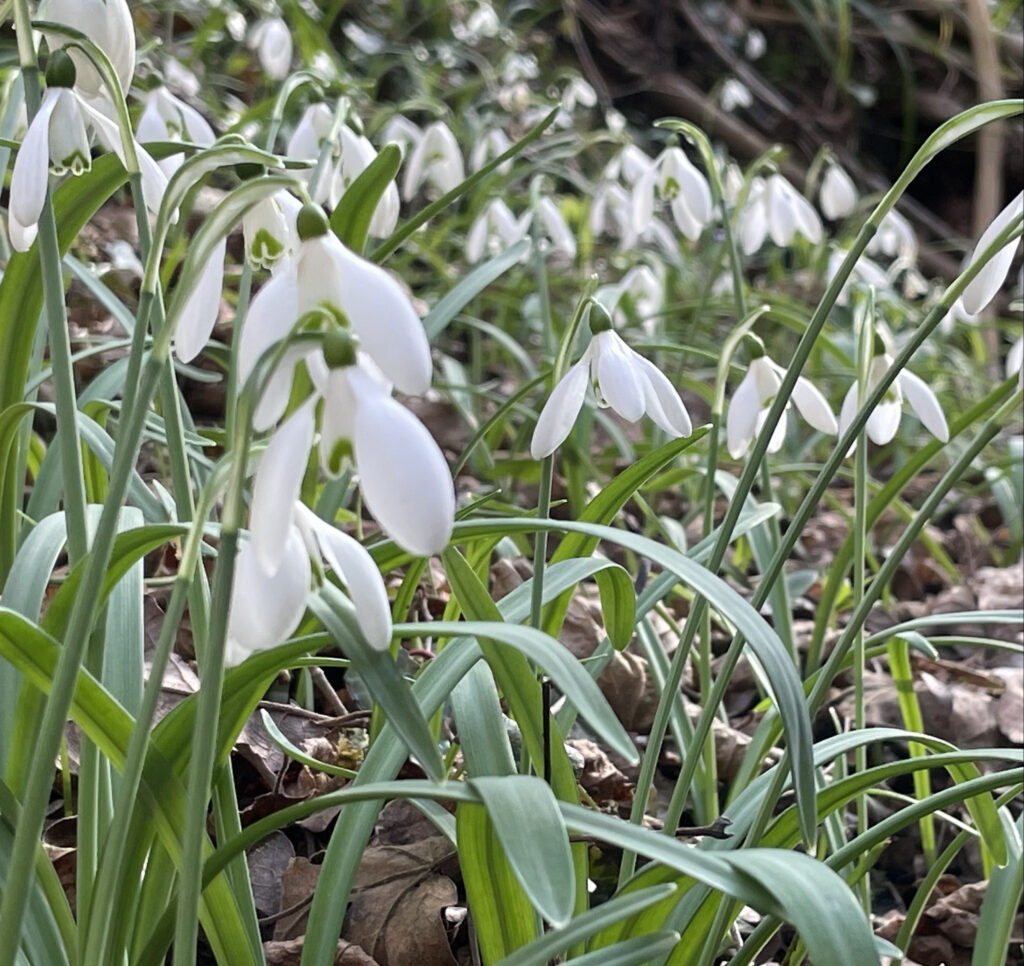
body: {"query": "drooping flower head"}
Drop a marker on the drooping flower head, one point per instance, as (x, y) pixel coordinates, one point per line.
(435, 160)
(272, 41)
(984, 286)
(777, 210)
(838, 195)
(168, 118)
(621, 378)
(673, 179)
(323, 277)
(108, 24)
(754, 396)
(884, 420)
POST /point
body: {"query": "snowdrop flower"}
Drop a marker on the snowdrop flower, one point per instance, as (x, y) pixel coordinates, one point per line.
(495, 226)
(984, 286)
(436, 159)
(578, 93)
(775, 208)
(268, 230)
(323, 276)
(356, 155)
(403, 132)
(865, 273)
(611, 213)
(108, 24)
(403, 475)
(734, 94)
(272, 41)
(309, 135)
(554, 228)
(168, 118)
(885, 419)
(755, 45)
(268, 601)
(895, 238)
(57, 142)
(492, 145)
(622, 379)
(674, 179)
(754, 396)
(628, 166)
(1015, 359)
(838, 194)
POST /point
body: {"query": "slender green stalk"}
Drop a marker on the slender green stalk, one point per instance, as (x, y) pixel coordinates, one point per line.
(68, 438)
(860, 550)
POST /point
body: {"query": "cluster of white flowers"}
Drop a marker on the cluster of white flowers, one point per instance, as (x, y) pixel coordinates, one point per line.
(375, 341)
(76, 102)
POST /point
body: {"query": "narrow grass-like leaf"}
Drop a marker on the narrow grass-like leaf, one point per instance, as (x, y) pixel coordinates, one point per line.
(350, 221)
(630, 952)
(469, 287)
(542, 951)
(297, 754)
(618, 605)
(529, 827)
(481, 724)
(502, 914)
(1002, 900)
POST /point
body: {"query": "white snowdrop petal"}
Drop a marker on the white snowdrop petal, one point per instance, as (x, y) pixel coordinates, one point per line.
(277, 389)
(389, 329)
(202, 308)
(403, 475)
(270, 318)
(986, 284)
(662, 400)
(108, 24)
(617, 377)
(684, 219)
(778, 435)
(753, 226)
(781, 213)
(642, 199)
(884, 421)
(847, 412)
(357, 571)
(813, 406)
(337, 421)
(276, 486)
(838, 193)
(924, 402)
(741, 417)
(31, 170)
(266, 608)
(560, 411)
(1015, 358)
